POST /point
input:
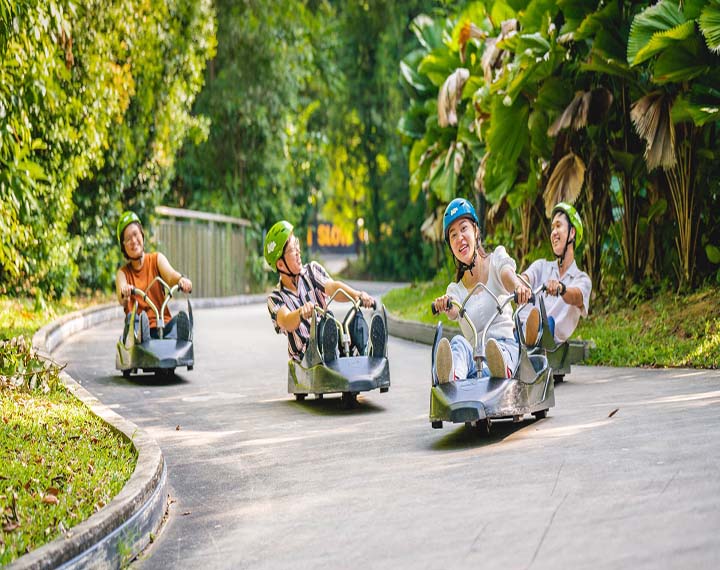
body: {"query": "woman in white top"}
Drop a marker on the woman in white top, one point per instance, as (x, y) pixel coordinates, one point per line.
(454, 359)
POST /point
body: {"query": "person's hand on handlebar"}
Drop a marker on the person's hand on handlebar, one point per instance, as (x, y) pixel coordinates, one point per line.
(523, 294)
(442, 304)
(555, 288)
(126, 291)
(184, 284)
(366, 300)
(306, 310)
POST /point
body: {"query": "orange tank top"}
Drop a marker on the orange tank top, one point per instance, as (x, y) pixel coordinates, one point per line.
(141, 279)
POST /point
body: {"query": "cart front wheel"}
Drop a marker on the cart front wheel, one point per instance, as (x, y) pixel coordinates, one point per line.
(483, 426)
(540, 415)
(349, 400)
(300, 397)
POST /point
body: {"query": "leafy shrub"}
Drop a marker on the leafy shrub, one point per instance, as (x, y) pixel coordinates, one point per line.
(22, 369)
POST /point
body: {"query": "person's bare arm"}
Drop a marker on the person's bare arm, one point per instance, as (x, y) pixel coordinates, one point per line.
(290, 320)
(171, 276)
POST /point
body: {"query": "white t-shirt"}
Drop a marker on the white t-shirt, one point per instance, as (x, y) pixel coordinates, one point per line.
(481, 306)
(566, 316)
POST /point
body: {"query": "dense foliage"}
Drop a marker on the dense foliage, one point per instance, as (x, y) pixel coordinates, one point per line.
(303, 99)
(94, 104)
(613, 105)
(372, 115)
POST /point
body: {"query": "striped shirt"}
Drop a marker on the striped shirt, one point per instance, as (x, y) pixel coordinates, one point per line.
(311, 287)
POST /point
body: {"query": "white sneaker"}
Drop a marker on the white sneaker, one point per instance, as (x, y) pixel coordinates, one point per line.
(495, 359)
(444, 362)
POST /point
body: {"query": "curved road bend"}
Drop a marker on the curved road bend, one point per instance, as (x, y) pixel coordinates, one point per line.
(260, 481)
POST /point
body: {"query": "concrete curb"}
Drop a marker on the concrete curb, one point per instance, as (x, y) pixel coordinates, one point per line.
(417, 332)
(116, 534)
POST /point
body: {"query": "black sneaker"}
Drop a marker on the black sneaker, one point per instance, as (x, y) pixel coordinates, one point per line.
(182, 324)
(378, 336)
(328, 339)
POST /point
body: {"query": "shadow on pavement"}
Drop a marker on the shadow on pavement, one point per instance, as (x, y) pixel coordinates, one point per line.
(462, 437)
(149, 379)
(332, 406)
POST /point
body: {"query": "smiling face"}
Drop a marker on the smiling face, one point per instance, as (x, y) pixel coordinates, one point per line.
(133, 241)
(462, 236)
(559, 233)
(291, 260)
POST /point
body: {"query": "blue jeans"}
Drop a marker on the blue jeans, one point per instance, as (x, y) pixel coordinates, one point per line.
(464, 362)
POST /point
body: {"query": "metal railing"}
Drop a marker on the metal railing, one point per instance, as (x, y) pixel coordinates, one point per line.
(211, 249)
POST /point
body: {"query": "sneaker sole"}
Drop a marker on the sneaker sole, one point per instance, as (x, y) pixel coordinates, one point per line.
(443, 361)
(495, 360)
(532, 326)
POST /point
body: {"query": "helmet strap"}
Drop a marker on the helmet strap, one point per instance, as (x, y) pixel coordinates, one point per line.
(568, 241)
(290, 274)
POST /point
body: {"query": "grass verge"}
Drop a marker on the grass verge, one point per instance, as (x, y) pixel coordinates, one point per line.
(23, 317)
(669, 330)
(59, 462)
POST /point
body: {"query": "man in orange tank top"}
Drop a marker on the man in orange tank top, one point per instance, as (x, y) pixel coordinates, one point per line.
(139, 271)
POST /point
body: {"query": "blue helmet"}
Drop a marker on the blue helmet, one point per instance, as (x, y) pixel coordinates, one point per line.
(458, 208)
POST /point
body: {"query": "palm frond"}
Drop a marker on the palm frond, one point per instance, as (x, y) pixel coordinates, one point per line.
(449, 96)
(709, 22)
(565, 181)
(574, 115)
(653, 29)
(651, 117)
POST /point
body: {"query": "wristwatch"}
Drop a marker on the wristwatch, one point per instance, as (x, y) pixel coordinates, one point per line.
(563, 289)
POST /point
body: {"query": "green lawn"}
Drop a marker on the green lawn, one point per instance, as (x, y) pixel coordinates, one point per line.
(59, 463)
(26, 316)
(667, 331)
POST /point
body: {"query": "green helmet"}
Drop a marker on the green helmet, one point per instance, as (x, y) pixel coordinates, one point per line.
(573, 216)
(275, 241)
(125, 220)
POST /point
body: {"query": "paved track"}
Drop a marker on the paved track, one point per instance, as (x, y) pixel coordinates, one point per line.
(260, 481)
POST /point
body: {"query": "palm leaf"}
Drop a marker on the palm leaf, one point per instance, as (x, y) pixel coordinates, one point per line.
(565, 181)
(449, 97)
(683, 62)
(575, 114)
(508, 133)
(649, 28)
(700, 110)
(410, 74)
(427, 31)
(710, 25)
(438, 64)
(651, 117)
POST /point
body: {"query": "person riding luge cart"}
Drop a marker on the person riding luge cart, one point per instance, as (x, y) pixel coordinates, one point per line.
(479, 401)
(298, 308)
(360, 365)
(561, 355)
(138, 350)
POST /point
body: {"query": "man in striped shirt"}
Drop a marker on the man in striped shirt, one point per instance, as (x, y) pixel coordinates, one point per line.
(301, 288)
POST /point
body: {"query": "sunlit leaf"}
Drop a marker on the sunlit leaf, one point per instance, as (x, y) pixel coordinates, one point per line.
(709, 23)
(656, 28)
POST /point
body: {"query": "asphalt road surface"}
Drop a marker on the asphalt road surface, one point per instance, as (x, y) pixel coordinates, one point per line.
(261, 481)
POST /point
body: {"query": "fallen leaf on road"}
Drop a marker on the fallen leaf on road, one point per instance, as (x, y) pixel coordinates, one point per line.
(186, 513)
(50, 500)
(177, 428)
(615, 411)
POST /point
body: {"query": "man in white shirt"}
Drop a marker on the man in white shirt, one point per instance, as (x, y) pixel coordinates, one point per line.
(567, 288)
